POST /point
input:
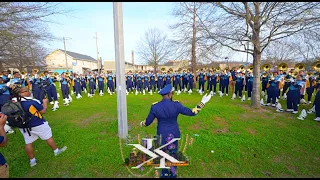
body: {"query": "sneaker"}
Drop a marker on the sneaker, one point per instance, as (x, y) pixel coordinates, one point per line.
(226, 94)
(273, 105)
(317, 119)
(289, 110)
(60, 150)
(249, 98)
(268, 104)
(33, 163)
(294, 112)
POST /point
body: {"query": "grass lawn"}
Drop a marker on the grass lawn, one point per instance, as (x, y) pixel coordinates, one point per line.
(246, 142)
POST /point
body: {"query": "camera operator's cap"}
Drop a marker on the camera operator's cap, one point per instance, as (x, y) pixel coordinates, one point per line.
(166, 90)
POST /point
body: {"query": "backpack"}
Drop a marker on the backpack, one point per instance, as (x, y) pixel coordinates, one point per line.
(17, 117)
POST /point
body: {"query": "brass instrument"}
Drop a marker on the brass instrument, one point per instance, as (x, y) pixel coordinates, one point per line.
(218, 68)
(266, 67)
(23, 73)
(67, 74)
(170, 70)
(42, 75)
(300, 67)
(36, 70)
(242, 68)
(316, 66)
(250, 69)
(283, 67)
(233, 68)
(163, 69)
(180, 69)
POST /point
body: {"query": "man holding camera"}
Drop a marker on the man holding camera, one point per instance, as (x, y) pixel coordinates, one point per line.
(39, 126)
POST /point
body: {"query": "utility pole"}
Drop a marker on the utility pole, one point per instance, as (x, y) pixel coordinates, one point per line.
(120, 72)
(132, 56)
(99, 62)
(65, 53)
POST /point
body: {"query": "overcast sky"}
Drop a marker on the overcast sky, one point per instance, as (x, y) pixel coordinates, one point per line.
(88, 18)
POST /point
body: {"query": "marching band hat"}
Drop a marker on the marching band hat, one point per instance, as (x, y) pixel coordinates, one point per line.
(166, 90)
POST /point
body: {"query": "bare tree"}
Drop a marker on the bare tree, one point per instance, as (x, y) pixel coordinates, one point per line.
(234, 24)
(187, 42)
(281, 51)
(22, 21)
(154, 48)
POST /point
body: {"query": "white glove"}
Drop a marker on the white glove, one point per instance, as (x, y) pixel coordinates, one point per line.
(142, 124)
(8, 84)
(206, 98)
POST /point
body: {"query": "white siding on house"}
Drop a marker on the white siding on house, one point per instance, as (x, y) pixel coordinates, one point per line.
(56, 60)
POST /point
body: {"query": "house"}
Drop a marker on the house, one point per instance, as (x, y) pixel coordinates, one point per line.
(59, 61)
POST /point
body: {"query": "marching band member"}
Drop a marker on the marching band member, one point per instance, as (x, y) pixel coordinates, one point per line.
(5, 76)
(201, 78)
(293, 95)
(51, 91)
(232, 80)
(310, 86)
(287, 82)
(249, 84)
(168, 78)
(139, 83)
(317, 103)
(177, 81)
(281, 82)
(17, 81)
(129, 78)
(65, 89)
(4, 91)
(303, 88)
(264, 78)
(101, 80)
(190, 82)
(160, 81)
(92, 80)
(272, 90)
(240, 82)
(152, 82)
(37, 91)
(224, 82)
(77, 86)
(110, 83)
(214, 78)
(185, 81)
(146, 83)
(83, 83)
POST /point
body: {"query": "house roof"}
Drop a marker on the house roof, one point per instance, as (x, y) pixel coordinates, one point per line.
(79, 56)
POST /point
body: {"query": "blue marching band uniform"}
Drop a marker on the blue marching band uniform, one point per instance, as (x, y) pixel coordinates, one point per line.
(293, 88)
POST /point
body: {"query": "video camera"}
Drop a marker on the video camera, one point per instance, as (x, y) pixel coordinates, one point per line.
(44, 84)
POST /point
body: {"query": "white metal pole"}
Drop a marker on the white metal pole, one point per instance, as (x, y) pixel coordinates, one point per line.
(120, 72)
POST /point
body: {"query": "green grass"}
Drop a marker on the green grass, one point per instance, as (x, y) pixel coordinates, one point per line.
(246, 142)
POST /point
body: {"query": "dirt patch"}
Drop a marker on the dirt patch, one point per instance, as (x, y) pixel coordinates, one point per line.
(223, 125)
(251, 131)
(195, 126)
(103, 132)
(291, 168)
(87, 121)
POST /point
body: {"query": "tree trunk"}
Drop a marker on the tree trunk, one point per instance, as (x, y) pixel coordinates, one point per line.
(193, 48)
(256, 57)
